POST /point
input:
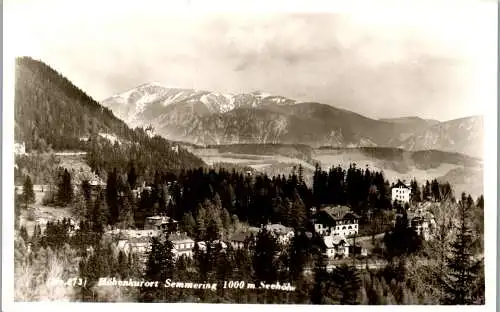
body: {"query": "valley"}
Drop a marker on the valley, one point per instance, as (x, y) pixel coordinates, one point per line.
(463, 172)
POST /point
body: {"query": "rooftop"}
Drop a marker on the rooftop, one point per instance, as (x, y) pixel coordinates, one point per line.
(180, 238)
(335, 240)
(240, 236)
(339, 212)
(402, 184)
(278, 228)
(158, 218)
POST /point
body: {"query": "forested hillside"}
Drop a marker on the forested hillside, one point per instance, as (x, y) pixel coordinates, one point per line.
(51, 112)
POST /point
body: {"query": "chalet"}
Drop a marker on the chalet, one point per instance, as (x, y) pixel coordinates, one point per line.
(336, 246)
(282, 233)
(175, 149)
(339, 220)
(139, 246)
(423, 223)
(241, 239)
(183, 245)
(401, 192)
(161, 223)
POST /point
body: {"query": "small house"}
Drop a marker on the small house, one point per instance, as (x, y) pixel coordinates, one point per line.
(241, 239)
(282, 233)
(336, 246)
(161, 223)
(423, 223)
(183, 245)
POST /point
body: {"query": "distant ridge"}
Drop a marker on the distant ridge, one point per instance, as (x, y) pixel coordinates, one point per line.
(211, 118)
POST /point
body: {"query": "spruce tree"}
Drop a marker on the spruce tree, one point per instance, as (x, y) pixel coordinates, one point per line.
(435, 190)
(201, 224)
(24, 234)
(298, 213)
(87, 190)
(28, 193)
(112, 196)
(415, 191)
(298, 255)
(321, 278)
(480, 202)
(132, 176)
(126, 213)
(212, 231)
(159, 267)
(17, 210)
(348, 282)
(65, 191)
(188, 224)
(99, 214)
(301, 174)
(462, 268)
(266, 249)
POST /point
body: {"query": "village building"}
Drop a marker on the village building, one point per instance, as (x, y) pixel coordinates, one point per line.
(282, 233)
(336, 246)
(138, 190)
(133, 241)
(127, 234)
(139, 246)
(339, 220)
(422, 222)
(161, 223)
(401, 192)
(241, 240)
(183, 245)
(19, 148)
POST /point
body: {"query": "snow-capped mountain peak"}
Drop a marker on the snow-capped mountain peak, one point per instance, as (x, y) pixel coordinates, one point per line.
(133, 103)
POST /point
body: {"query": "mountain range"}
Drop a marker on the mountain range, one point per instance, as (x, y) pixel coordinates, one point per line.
(212, 118)
(51, 112)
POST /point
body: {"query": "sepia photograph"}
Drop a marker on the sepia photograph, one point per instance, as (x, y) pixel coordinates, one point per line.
(216, 153)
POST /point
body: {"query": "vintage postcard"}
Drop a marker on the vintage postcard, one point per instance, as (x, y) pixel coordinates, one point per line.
(254, 153)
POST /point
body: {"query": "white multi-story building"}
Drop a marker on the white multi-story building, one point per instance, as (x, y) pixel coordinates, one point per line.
(183, 245)
(401, 192)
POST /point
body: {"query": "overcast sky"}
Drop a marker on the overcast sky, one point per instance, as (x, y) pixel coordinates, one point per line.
(433, 61)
